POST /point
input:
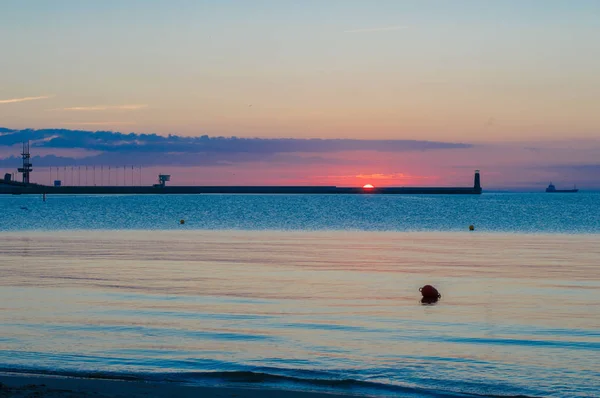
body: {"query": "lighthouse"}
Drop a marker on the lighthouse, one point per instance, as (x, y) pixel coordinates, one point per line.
(477, 182)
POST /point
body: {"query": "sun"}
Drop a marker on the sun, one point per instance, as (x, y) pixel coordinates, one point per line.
(368, 186)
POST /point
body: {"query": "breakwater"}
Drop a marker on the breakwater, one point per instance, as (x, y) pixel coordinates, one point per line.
(33, 189)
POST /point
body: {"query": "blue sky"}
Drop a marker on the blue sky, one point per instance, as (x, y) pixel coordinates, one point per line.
(477, 72)
(389, 69)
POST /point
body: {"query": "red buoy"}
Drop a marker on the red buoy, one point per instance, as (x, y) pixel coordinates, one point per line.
(430, 292)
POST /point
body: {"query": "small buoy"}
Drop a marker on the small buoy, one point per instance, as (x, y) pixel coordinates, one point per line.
(429, 292)
(425, 300)
(471, 228)
(182, 221)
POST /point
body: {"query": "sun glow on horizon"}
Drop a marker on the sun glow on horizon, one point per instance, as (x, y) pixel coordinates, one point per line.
(368, 186)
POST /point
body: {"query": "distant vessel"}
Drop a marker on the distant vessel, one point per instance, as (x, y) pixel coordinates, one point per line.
(552, 189)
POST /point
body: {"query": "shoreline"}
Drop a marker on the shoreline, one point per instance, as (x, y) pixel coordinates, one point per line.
(53, 386)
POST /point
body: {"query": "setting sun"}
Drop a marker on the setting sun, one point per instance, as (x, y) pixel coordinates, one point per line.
(368, 186)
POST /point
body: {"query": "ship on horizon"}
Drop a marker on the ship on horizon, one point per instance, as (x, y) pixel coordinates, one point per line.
(552, 189)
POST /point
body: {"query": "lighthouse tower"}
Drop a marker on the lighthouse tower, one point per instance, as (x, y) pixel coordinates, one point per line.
(477, 182)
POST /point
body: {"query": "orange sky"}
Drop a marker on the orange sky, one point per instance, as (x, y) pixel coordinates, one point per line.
(451, 71)
(513, 73)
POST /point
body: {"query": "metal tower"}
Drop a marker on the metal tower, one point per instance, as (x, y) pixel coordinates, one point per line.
(27, 166)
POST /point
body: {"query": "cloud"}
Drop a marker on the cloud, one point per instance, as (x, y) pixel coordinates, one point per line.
(385, 29)
(13, 100)
(392, 176)
(108, 141)
(138, 159)
(332, 161)
(129, 107)
(593, 169)
(377, 178)
(153, 149)
(97, 123)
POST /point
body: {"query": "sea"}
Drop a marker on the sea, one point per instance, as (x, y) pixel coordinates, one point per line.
(307, 292)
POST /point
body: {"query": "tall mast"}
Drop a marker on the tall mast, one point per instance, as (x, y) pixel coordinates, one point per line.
(27, 166)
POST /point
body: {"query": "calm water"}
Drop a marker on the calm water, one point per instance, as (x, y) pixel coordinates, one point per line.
(312, 292)
(532, 213)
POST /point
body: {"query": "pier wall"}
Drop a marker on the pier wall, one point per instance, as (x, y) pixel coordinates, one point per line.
(152, 190)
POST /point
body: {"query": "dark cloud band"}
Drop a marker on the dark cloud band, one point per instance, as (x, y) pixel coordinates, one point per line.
(153, 149)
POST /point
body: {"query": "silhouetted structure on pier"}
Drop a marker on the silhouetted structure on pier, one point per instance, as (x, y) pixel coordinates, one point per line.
(27, 166)
(8, 186)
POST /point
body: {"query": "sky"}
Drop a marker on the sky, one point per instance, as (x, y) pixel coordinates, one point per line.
(515, 82)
